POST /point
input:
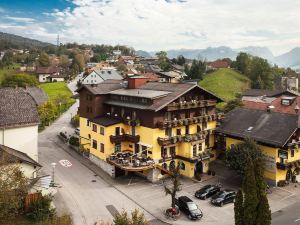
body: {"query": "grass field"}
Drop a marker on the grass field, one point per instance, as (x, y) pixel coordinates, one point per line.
(225, 83)
(57, 88)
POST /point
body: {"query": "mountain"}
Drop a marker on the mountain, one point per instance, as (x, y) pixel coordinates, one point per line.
(8, 41)
(213, 53)
(289, 59)
(143, 53)
(262, 52)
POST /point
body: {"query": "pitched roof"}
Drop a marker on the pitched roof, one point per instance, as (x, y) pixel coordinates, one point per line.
(102, 88)
(273, 128)
(13, 156)
(17, 108)
(220, 63)
(37, 94)
(108, 74)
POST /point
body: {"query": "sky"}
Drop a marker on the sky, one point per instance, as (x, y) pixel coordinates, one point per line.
(157, 24)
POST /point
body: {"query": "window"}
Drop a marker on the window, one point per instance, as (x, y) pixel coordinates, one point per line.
(187, 129)
(292, 152)
(207, 141)
(102, 130)
(101, 147)
(204, 125)
(200, 147)
(89, 109)
(178, 132)
(198, 128)
(173, 151)
(163, 152)
(194, 150)
(94, 144)
(88, 123)
(94, 127)
(168, 132)
(182, 166)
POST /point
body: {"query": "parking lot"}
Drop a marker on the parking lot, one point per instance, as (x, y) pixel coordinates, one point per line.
(153, 199)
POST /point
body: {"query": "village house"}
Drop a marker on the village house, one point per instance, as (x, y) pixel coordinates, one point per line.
(50, 74)
(218, 64)
(148, 127)
(99, 75)
(278, 100)
(19, 121)
(277, 135)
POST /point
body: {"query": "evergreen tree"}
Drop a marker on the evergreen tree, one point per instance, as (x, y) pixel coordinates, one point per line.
(239, 208)
(44, 59)
(250, 195)
(263, 212)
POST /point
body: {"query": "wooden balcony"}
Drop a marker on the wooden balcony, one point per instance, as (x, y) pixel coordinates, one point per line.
(124, 137)
(189, 121)
(200, 136)
(190, 104)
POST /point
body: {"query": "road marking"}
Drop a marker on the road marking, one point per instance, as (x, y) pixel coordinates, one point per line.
(297, 220)
(65, 163)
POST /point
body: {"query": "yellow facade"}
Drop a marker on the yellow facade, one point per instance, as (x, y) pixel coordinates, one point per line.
(148, 137)
(272, 173)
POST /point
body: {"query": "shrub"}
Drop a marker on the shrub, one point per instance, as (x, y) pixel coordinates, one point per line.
(74, 141)
(41, 209)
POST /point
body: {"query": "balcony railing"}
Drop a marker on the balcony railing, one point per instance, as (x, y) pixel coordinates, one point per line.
(189, 121)
(190, 104)
(124, 137)
(288, 164)
(200, 136)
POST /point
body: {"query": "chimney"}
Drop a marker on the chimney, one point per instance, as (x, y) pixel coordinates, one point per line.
(136, 82)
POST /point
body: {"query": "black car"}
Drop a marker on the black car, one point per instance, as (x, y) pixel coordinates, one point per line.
(207, 191)
(187, 206)
(223, 197)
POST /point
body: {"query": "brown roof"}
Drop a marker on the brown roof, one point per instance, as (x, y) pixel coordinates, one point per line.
(103, 88)
(269, 93)
(13, 156)
(48, 70)
(37, 94)
(219, 64)
(17, 108)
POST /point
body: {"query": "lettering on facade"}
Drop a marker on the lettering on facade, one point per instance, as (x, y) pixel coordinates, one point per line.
(270, 163)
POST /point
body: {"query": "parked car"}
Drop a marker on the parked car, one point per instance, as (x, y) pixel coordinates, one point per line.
(187, 206)
(223, 197)
(77, 131)
(207, 191)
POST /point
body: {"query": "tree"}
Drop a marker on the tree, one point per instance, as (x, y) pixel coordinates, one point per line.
(163, 60)
(196, 70)
(243, 62)
(175, 184)
(232, 104)
(238, 155)
(264, 212)
(47, 113)
(44, 60)
(260, 73)
(13, 189)
(20, 80)
(64, 61)
(137, 218)
(250, 195)
(239, 208)
(80, 61)
(180, 60)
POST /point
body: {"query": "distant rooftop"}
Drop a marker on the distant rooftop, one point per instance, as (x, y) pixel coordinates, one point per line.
(140, 93)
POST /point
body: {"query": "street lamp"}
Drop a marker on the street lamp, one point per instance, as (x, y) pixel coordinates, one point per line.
(53, 168)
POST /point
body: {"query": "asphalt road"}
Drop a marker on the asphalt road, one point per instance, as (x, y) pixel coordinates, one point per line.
(288, 216)
(87, 197)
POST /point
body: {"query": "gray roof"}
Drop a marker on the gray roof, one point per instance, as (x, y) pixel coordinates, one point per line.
(13, 156)
(37, 94)
(108, 74)
(268, 93)
(152, 94)
(106, 121)
(102, 88)
(17, 108)
(270, 128)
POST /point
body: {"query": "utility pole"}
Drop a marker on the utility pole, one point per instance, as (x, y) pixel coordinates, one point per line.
(57, 40)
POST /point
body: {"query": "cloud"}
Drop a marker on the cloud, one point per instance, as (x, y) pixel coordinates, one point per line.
(170, 24)
(20, 19)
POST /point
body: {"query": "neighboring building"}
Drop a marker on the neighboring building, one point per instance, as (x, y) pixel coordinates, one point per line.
(218, 64)
(29, 166)
(100, 75)
(148, 127)
(278, 100)
(49, 74)
(19, 121)
(38, 95)
(171, 76)
(289, 83)
(277, 135)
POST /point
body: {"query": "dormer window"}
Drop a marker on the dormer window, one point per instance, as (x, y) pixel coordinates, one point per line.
(287, 101)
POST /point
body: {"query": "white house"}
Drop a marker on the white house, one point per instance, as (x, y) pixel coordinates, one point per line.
(99, 75)
(19, 121)
(49, 74)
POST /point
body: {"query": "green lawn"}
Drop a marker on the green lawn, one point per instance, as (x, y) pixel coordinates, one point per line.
(225, 83)
(57, 88)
